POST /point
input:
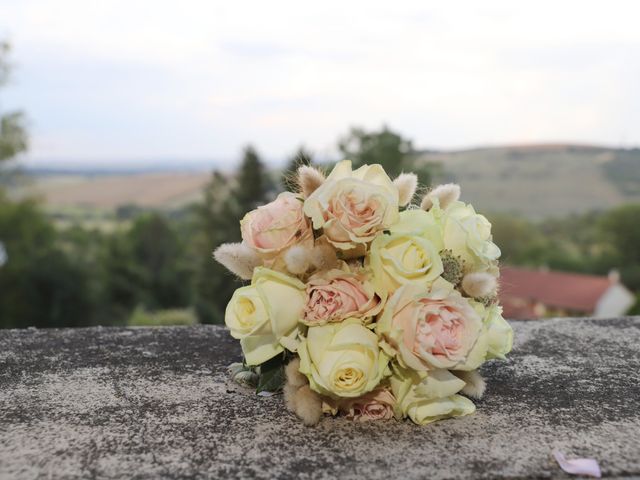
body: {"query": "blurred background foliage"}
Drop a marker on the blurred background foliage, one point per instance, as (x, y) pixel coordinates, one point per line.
(154, 266)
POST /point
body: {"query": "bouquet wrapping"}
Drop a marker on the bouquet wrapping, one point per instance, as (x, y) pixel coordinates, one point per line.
(362, 304)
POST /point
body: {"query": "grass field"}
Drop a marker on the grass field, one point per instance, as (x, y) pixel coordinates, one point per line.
(107, 192)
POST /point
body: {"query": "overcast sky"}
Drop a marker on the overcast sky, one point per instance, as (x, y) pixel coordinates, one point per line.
(147, 79)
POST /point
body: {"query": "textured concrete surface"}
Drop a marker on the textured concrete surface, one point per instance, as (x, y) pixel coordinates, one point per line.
(155, 403)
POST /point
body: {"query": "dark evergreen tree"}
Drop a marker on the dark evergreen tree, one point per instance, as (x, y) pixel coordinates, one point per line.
(301, 157)
(251, 181)
(216, 221)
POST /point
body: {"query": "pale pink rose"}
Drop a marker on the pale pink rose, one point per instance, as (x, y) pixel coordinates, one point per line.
(353, 206)
(276, 226)
(430, 330)
(352, 216)
(375, 405)
(335, 295)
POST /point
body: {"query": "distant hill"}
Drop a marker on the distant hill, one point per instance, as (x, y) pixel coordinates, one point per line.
(538, 181)
(535, 181)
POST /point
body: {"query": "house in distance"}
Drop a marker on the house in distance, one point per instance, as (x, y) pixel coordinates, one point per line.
(529, 294)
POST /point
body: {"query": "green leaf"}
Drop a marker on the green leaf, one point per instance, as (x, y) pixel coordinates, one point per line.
(271, 375)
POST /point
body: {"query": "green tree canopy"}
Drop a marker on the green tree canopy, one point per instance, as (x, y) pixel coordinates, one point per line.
(13, 135)
(39, 284)
(385, 147)
(156, 249)
(621, 227)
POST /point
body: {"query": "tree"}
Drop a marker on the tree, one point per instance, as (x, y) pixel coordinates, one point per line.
(301, 157)
(121, 281)
(620, 228)
(158, 253)
(144, 266)
(215, 221)
(13, 136)
(561, 244)
(40, 285)
(520, 241)
(386, 148)
(252, 184)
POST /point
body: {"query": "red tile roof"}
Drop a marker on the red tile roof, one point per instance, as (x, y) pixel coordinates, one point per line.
(560, 290)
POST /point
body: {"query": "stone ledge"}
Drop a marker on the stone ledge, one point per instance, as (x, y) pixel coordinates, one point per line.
(155, 403)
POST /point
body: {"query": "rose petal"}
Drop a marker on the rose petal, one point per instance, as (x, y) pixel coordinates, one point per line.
(578, 466)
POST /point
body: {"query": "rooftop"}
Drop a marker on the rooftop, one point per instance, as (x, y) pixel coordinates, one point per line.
(570, 291)
(156, 403)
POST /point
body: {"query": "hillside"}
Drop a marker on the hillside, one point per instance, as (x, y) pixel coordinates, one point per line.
(543, 180)
(535, 181)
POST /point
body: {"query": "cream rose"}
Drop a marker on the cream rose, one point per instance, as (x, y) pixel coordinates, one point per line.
(337, 294)
(420, 223)
(426, 399)
(433, 329)
(276, 226)
(378, 404)
(342, 359)
(264, 315)
(468, 235)
(403, 258)
(351, 207)
(497, 330)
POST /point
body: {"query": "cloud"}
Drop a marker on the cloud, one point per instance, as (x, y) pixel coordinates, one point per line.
(199, 78)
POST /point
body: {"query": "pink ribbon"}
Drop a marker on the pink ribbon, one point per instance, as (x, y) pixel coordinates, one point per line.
(578, 466)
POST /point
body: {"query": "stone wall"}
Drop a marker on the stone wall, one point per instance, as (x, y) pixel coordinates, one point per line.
(155, 403)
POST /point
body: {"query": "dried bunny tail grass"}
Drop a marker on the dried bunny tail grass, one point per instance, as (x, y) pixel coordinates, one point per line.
(297, 259)
(323, 257)
(238, 259)
(406, 184)
(475, 384)
(479, 284)
(309, 179)
(308, 405)
(289, 392)
(293, 375)
(446, 195)
(299, 397)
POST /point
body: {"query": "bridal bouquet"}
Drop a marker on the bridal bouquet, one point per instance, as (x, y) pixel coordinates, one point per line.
(362, 304)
